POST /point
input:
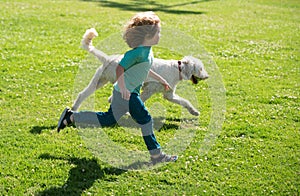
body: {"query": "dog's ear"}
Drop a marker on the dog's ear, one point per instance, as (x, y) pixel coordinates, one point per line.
(185, 61)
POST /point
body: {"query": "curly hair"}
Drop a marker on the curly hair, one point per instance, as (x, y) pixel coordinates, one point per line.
(142, 26)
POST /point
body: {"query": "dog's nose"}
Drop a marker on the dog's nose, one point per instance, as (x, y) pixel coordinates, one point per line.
(205, 77)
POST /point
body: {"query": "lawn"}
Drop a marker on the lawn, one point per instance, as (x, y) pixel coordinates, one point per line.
(246, 140)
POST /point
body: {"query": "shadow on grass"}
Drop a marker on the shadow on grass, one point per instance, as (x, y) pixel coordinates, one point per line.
(162, 123)
(159, 123)
(146, 5)
(82, 176)
(39, 129)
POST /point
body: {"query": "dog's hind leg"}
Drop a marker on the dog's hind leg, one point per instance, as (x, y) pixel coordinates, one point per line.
(94, 84)
(171, 96)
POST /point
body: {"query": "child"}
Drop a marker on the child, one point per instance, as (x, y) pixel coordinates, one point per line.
(142, 32)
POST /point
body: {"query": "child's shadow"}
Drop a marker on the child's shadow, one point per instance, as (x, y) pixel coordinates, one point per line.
(81, 177)
(39, 129)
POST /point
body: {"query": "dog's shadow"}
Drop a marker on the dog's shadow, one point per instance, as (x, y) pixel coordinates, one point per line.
(82, 176)
(159, 123)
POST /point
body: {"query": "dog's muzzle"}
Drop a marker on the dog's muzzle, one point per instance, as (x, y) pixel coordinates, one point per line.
(196, 79)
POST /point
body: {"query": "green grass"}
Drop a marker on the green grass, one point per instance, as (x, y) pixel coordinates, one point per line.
(256, 47)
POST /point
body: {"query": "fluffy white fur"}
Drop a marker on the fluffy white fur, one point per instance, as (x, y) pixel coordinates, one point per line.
(191, 69)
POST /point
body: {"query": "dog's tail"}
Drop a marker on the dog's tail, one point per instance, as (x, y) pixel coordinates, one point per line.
(87, 44)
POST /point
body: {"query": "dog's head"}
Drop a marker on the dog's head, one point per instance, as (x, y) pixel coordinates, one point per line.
(193, 69)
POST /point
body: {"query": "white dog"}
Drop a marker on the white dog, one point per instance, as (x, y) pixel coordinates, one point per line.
(173, 71)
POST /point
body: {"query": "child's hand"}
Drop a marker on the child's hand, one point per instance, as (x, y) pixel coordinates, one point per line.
(160, 79)
(125, 94)
(167, 86)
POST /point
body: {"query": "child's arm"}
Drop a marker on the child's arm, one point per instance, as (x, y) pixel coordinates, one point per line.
(155, 76)
(120, 77)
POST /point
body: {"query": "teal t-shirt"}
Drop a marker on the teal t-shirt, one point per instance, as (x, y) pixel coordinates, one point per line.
(136, 63)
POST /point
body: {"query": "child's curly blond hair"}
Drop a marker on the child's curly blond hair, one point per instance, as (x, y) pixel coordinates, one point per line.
(142, 26)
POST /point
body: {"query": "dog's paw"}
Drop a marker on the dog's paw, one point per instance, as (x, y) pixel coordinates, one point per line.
(194, 112)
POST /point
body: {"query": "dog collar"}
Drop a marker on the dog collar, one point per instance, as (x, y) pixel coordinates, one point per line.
(179, 69)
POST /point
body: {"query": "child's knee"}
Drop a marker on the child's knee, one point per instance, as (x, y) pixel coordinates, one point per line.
(142, 118)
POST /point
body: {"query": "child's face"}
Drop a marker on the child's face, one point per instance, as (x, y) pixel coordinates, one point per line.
(154, 40)
(156, 37)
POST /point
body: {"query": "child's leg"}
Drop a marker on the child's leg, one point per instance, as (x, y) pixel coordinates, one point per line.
(117, 109)
(141, 115)
(94, 119)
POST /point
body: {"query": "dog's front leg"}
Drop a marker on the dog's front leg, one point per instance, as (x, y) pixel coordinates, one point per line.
(150, 88)
(171, 96)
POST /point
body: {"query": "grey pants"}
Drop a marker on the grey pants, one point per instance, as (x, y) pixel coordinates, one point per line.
(118, 108)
